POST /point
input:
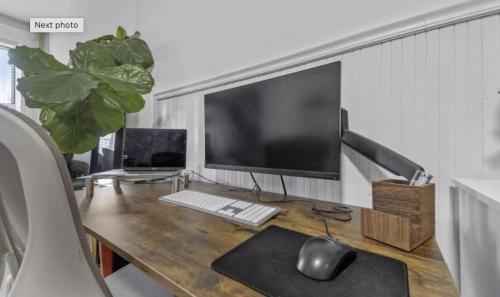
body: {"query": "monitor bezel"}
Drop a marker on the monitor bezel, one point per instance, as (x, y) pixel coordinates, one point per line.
(279, 171)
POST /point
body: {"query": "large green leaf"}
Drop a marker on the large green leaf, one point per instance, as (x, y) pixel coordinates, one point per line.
(32, 104)
(69, 135)
(56, 87)
(126, 101)
(46, 115)
(104, 39)
(121, 34)
(127, 78)
(34, 60)
(91, 54)
(88, 119)
(133, 51)
(99, 117)
(68, 109)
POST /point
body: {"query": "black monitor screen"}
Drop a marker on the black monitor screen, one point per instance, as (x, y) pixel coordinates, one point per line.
(154, 149)
(285, 125)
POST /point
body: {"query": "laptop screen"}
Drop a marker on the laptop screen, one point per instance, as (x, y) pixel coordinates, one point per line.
(154, 149)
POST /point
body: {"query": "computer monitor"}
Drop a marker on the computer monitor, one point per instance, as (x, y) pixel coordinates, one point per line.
(286, 125)
(154, 149)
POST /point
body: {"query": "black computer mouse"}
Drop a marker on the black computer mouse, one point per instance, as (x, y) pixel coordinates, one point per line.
(323, 258)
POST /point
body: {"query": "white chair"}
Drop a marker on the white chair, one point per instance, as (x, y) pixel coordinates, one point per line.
(45, 251)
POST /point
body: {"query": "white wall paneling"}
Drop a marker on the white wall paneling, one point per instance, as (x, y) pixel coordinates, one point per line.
(431, 96)
(491, 103)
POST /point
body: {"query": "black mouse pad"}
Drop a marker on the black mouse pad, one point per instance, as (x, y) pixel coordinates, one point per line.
(266, 262)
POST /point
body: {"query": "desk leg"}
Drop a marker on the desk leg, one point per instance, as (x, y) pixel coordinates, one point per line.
(116, 184)
(89, 187)
(106, 260)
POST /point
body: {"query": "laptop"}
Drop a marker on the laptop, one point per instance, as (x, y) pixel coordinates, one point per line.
(151, 153)
(154, 150)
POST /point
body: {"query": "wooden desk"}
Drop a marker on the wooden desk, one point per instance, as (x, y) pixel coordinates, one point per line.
(176, 245)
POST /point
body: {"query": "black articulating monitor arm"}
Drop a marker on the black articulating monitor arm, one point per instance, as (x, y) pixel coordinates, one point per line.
(383, 156)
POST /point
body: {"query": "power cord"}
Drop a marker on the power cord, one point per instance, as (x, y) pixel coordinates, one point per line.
(255, 182)
(207, 179)
(338, 213)
(283, 184)
(232, 189)
(145, 181)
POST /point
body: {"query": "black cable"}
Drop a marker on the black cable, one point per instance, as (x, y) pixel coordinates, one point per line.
(234, 189)
(144, 181)
(338, 213)
(239, 190)
(255, 182)
(325, 223)
(209, 180)
(283, 184)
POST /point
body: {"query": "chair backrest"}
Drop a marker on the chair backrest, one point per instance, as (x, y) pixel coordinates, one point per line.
(39, 212)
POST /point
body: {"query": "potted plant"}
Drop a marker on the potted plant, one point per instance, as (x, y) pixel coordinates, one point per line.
(89, 97)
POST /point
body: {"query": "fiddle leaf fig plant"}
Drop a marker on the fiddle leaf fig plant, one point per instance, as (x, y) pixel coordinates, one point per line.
(89, 97)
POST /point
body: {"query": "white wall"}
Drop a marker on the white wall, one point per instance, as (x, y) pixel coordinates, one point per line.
(101, 17)
(195, 40)
(431, 96)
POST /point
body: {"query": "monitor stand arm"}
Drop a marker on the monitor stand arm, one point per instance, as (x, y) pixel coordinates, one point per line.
(383, 156)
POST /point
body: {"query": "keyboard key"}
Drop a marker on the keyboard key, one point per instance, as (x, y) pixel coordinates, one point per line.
(263, 214)
(248, 212)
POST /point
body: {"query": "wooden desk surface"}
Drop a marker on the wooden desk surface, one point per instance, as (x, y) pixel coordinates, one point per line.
(176, 245)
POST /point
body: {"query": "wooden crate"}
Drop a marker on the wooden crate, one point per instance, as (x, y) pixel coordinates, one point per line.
(397, 197)
(402, 216)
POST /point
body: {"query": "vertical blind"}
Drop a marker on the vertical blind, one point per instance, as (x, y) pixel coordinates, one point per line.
(7, 79)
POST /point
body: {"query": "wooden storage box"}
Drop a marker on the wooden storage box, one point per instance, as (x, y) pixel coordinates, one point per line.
(402, 216)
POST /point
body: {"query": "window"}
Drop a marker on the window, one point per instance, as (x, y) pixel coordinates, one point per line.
(7, 79)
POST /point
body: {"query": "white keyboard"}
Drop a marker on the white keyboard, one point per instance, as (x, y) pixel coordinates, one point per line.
(244, 212)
